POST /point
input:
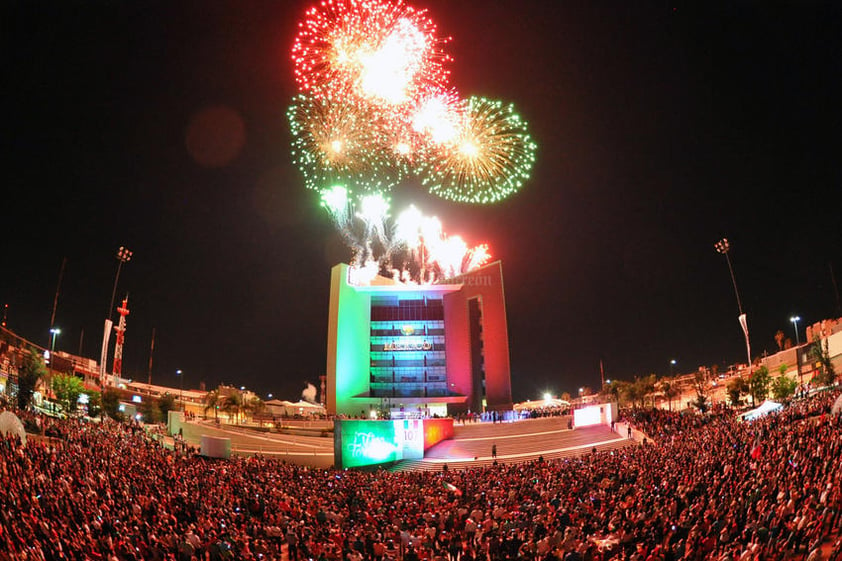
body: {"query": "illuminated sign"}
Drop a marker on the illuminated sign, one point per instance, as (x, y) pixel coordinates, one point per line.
(587, 416)
(408, 346)
(407, 329)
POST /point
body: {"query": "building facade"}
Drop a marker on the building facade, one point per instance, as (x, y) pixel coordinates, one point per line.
(418, 350)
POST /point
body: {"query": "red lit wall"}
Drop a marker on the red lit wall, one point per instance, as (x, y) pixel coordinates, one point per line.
(486, 284)
(436, 430)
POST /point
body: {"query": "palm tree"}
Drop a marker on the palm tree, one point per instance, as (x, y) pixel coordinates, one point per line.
(647, 388)
(633, 391)
(670, 390)
(779, 339)
(256, 405)
(212, 401)
(252, 405)
(827, 374)
(29, 374)
(759, 384)
(736, 388)
(232, 403)
(701, 383)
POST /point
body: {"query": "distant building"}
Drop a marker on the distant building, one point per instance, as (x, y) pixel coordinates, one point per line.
(418, 349)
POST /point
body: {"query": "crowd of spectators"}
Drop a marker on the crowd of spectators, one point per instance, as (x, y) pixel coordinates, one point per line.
(703, 487)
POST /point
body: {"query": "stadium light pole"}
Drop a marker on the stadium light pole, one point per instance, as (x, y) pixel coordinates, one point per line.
(48, 356)
(124, 255)
(723, 247)
(58, 289)
(795, 320)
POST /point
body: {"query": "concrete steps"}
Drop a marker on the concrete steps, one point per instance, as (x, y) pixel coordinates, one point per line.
(519, 442)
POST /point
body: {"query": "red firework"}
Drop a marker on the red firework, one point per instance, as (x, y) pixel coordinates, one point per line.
(380, 52)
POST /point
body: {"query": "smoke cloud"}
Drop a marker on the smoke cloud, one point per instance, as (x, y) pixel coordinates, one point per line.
(308, 394)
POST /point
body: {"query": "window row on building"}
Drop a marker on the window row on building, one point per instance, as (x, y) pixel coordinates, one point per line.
(409, 390)
(382, 375)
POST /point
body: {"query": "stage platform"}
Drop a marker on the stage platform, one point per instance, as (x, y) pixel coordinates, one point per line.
(516, 442)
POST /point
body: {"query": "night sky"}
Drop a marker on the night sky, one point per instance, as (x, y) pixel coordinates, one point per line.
(662, 127)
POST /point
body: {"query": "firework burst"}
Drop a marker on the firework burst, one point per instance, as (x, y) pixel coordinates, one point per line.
(488, 158)
(438, 116)
(341, 142)
(384, 52)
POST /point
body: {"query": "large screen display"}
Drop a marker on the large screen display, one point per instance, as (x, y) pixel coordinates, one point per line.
(363, 442)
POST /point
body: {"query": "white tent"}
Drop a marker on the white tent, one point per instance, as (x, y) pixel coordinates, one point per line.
(766, 407)
(540, 404)
(308, 408)
(301, 407)
(10, 424)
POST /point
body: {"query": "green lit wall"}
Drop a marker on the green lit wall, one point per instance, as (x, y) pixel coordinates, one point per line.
(348, 357)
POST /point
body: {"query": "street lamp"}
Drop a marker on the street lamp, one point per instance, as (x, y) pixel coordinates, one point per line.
(48, 354)
(723, 247)
(672, 367)
(53, 333)
(795, 320)
(181, 391)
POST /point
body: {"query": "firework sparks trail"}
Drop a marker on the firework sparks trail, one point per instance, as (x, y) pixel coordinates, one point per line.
(340, 208)
(412, 249)
(374, 213)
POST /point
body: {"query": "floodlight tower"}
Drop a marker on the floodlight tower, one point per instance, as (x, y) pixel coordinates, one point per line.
(121, 334)
(795, 320)
(723, 247)
(124, 255)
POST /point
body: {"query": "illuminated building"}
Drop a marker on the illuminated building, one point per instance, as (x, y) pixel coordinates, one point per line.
(431, 349)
